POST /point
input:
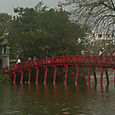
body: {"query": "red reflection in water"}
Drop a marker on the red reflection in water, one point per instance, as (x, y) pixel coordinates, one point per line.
(101, 88)
(95, 86)
(55, 90)
(66, 92)
(37, 88)
(89, 87)
(114, 85)
(46, 93)
(15, 85)
(77, 88)
(66, 89)
(29, 88)
(22, 88)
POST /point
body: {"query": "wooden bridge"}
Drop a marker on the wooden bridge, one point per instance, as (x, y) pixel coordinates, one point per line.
(89, 61)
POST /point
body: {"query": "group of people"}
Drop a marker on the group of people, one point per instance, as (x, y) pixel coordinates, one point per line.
(29, 59)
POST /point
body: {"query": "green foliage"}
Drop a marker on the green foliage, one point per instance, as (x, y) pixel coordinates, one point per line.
(4, 79)
(4, 22)
(40, 31)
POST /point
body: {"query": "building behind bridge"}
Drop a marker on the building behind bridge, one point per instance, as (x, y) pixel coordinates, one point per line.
(102, 37)
(4, 53)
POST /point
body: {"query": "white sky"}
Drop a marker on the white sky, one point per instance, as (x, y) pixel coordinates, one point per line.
(7, 6)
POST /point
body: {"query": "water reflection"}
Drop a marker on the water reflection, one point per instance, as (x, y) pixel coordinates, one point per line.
(57, 99)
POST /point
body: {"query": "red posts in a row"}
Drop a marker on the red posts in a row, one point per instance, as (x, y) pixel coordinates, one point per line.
(22, 73)
(45, 77)
(114, 76)
(95, 78)
(37, 74)
(101, 75)
(55, 72)
(89, 73)
(77, 75)
(107, 77)
(14, 73)
(29, 76)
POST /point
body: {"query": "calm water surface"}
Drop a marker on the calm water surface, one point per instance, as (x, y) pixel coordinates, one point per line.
(57, 100)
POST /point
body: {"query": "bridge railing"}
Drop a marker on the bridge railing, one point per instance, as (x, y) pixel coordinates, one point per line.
(93, 60)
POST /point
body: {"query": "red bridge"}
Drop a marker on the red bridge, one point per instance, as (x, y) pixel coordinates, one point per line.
(73, 61)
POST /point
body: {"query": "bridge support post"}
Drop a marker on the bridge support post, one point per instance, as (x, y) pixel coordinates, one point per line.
(29, 76)
(107, 77)
(37, 74)
(95, 78)
(114, 76)
(62, 74)
(14, 81)
(65, 81)
(77, 75)
(45, 77)
(22, 73)
(54, 78)
(89, 73)
(101, 75)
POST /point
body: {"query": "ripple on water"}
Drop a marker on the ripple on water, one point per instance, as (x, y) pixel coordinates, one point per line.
(12, 112)
(65, 111)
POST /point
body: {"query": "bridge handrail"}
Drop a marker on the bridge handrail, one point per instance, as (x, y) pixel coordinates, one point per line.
(95, 60)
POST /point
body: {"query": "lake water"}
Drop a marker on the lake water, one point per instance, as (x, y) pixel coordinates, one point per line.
(57, 100)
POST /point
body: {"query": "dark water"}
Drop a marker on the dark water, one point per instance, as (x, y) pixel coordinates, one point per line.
(57, 100)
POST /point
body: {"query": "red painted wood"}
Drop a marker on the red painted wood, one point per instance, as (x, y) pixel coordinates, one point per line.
(101, 75)
(14, 81)
(29, 76)
(77, 75)
(107, 77)
(89, 73)
(37, 74)
(22, 73)
(95, 78)
(45, 77)
(54, 78)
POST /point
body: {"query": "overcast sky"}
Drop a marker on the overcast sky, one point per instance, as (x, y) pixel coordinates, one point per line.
(8, 5)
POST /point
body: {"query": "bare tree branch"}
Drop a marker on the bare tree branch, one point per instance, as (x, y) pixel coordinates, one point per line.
(93, 13)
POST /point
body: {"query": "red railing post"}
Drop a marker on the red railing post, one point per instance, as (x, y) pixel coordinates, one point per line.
(101, 75)
(54, 78)
(95, 78)
(22, 73)
(114, 76)
(29, 76)
(65, 81)
(107, 77)
(77, 75)
(37, 74)
(14, 81)
(45, 77)
(89, 73)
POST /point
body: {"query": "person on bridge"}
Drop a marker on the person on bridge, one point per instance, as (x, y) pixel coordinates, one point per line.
(18, 61)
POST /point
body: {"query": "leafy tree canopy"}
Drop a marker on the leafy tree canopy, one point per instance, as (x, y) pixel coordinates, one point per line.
(44, 32)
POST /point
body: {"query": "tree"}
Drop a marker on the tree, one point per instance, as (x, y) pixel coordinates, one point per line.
(4, 22)
(94, 46)
(40, 31)
(98, 14)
